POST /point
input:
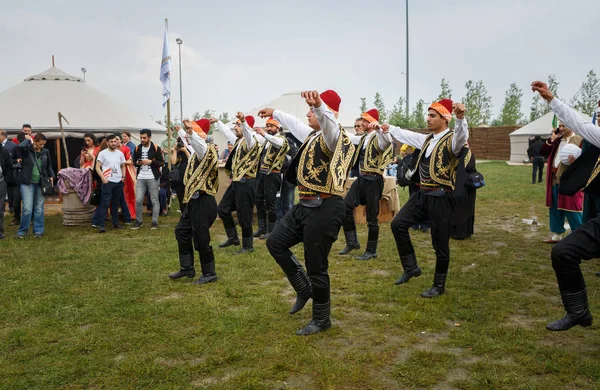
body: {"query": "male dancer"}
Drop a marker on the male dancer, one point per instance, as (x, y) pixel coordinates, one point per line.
(320, 168)
(436, 167)
(583, 243)
(199, 209)
(269, 176)
(372, 155)
(242, 165)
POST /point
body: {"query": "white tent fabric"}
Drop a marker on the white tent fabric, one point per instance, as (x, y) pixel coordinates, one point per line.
(519, 139)
(39, 99)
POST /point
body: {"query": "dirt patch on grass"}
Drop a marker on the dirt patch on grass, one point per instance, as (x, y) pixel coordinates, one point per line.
(180, 362)
(521, 321)
(213, 380)
(169, 297)
(299, 381)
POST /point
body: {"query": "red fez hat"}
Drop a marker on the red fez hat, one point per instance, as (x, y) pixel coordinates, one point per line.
(443, 107)
(371, 116)
(332, 99)
(250, 121)
(204, 124)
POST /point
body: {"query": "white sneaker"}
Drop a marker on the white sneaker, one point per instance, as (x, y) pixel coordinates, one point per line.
(557, 237)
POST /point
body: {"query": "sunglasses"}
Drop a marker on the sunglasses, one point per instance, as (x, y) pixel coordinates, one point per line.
(357, 126)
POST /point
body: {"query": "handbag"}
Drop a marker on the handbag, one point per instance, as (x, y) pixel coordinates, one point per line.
(45, 183)
(475, 180)
(96, 197)
(174, 176)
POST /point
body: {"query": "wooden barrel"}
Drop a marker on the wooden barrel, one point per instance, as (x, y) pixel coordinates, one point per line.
(75, 213)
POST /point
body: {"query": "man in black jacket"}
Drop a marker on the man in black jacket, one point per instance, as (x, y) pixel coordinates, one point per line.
(5, 174)
(536, 158)
(148, 159)
(37, 165)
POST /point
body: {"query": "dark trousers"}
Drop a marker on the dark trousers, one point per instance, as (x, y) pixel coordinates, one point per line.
(192, 230)
(538, 166)
(125, 208)
(17, 202)
(238, 197)
(3, 190)
(111, 195)
(437, 209)
(364, 191)
(286, 199)
(266, 196)
(317, 228)
(424, 223)
(581, 244)
(10, 191)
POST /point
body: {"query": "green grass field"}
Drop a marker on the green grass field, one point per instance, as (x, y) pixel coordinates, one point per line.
(81, 310)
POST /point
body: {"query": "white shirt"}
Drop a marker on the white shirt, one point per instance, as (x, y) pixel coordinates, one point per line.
(145, 170)
(416, 140)
(574, 121)
(112, 162)
(382, 139)
(326, 118)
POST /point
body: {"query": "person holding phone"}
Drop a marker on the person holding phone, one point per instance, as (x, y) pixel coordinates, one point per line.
(89, 151)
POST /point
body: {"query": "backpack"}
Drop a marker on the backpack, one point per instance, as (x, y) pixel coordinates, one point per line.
(406, 165)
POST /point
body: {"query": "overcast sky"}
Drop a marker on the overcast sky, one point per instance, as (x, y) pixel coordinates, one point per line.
(239, 54)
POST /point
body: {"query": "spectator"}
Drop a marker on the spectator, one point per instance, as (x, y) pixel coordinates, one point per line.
(392, 167)
(226, 152)
(149, 159)
(5, 175)
(89, 151)
(37, 164)
(127, 202)
(126, 137)
(536, 158)
(26, 129)
(17, 187)
(8, 147)
(110, 166)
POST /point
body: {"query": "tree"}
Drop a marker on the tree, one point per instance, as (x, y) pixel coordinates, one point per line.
(196, 116)
(207, 114)
(477, 103)
(511, 114)
(586, 99)
(224, 117)
(398, 115)
(446, 92)
(418, 116)
(363, 105)
(380, 106)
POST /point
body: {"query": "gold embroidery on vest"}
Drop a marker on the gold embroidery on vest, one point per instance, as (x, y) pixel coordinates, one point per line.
(274, 157)
(246, 164)
(202, 175)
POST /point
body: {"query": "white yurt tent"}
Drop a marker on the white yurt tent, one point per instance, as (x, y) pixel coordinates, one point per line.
(39, 99)
(519, 139)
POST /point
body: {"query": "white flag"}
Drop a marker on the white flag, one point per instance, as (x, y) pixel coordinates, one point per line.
(165, 69)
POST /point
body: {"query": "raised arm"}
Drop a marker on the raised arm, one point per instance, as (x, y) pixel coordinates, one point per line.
(198, 144)
(411, 138)
(275, 141)
(329, 125)
(183, 136)
(231, 137)
(383, 140)
(354, 138)
(568, 116)
(299, 129)
(247, 130)
(461, 135)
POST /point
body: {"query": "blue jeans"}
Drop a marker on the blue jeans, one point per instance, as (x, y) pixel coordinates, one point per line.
(285, 201)
(141, 186)
(557, 216)
(33, 203)
(111, 195)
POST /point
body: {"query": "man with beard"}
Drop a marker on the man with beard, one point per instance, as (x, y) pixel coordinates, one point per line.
(110, 166)
(242, 166)
(374, 151)
(269, 176)
(199, 210)
(436, 177)
(320, 168)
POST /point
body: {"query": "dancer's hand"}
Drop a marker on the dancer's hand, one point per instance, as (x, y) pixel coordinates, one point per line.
(312, 98)
(543, 90)
(266, 112)
(459, 109)
(241, 117)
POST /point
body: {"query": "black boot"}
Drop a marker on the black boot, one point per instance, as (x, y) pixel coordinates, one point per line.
(438, 288)
(270, 227)
(247, 246)
(411, 269)
(262, 228)
(207, 263)
(186, 262)
(232, 238)
(371, 252)
(351, 242)
(301, 284)
(320, 320)
(578, 313)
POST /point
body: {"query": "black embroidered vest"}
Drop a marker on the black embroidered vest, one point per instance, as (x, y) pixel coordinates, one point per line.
(439, 169)
(272, 158)
(318, 169)
(202, 175)
(243, 162)
(372, 159)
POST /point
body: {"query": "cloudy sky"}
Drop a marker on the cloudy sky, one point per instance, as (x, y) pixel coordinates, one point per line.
(239, 54)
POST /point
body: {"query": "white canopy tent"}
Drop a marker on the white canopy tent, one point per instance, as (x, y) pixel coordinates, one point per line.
(39, 99)
(519, 139)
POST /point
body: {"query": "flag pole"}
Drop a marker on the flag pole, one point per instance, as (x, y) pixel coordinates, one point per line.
(168, 116)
